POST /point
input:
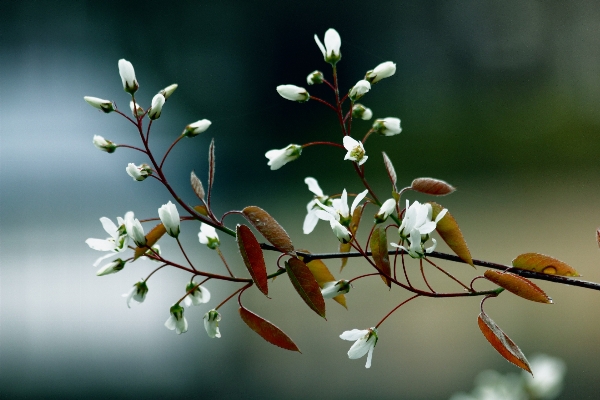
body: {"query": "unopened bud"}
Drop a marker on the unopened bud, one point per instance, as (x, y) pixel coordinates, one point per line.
(359, 90)
(101, 104)
(168, 91)
(138, 172)
(157, 103)
(103, 144)
(196, 128)
(315, 78)
(387, 126)
(362, 112)
(130, 84)
(293, 93)
(138, 111)
(383, 70)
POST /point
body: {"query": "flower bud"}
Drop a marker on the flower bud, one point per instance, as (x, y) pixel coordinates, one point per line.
(130, 84)
(359, 90)
(293, 93)
(138, 293)
(177, 321)
(168, 91)
(331, 50)
(333, 289)
(208, 236)
(135, 230)
(111, 268)
(138, 172)
(196, 128)
(278, 158)
(170, 218)
(157, 103)
(362, 112)
(383, 70)
(315, 78)
(211, 323)
(340, 231)
(104, 105)
(197, 296)
(139, 111)
(103, 144)
(387, 126)
(386, 209)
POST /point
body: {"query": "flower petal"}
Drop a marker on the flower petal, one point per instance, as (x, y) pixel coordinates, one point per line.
(354, 334)
(313, 186)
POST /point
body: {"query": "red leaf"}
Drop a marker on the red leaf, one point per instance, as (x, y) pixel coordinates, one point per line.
(448, 229)
(267, 330)
(269, 228)
(502, 343)
(322, 276)
(211, 166)
(434, 187)
(518, 285)
(305, 284)
(543, 264)
(253, 257)
(390, 169)
(379, 250)
(598, 236)
(151, 238)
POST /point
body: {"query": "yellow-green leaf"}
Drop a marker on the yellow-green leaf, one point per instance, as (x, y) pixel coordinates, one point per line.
(543, 264)
(151, 238)
(201, 210)
(449, 231)
(322, 276)
(518, 285)
(379, 249)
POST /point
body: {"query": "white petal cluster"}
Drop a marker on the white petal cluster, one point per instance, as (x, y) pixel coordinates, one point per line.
(311, 219)
(208, 236)
(198, 296)
(138, 172)
(169, 216)
(365, 341)
(331, 49)
(338, 215)
(279, 157)
(359, 90)
(383, 70)
(127, 73)
(293, 93)
(196, 128)
(101, 104)
(158, 101)
(387, 126)
(116, 243)
(356, 150)
(387, 208)
(416, 227)
(211, 323)
(177, 321)
(103, 144)
(138, 293)
(135, 230)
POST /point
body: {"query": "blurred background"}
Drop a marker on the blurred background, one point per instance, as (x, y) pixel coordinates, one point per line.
(501, 99)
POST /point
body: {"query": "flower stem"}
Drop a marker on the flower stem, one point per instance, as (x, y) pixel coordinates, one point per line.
(169, 150)
(224, 262)
(395, 308)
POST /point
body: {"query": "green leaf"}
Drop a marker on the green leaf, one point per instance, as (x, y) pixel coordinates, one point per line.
(253, 257)
(306, 285)
(449, 231)
(379, 249)
(267, 330)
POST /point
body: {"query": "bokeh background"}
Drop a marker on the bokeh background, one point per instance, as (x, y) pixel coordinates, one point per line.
(498, 98)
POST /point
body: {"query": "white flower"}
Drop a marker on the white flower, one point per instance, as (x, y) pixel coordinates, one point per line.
(103, 144)
(331, 50)
(359, 90)
(386, 209)
(362, 112)
(211, 323)
(314, 78)
(383, 70)
(134, 229)
(333, 289)
(196, 128)
(157, 104)
(111, 268)
(177, 321)
(136, 109)
(366, 340)
(356, 150)
(549, 373)
(311, 219)
(170, 218)
(338, 215)
(101, 104)
(387, 126)
(168, 91)
(418, 216)
(199, 295)
(279, 157)
(127, 73)
(293, 93)
(138, 293)
(208, 236)
(116, 243)
(416, 249)
(138, 172)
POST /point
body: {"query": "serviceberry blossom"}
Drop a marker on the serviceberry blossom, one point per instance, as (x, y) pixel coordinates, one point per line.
(127, 73)
(339, 216)
(196, 128)
(315, 78)
(359, 90)
(293, 93)
(362, 112)
(333, 289)
(101, 104)
(177, 321)
(138, 172)
(356, 150)
(168, 91)
(116, 243)
(279, 157)
(111, 268)
(383, 70)
(387, 208)
(387, 126)
(211, 323)
(331, 50)
(103, 144)
(416, 248)
(170, 218)
(208, 236)
(311, 219)
(198, 296)
(136, 109)
(366, 339)
(418, 216)
(157, 104)
(138, 293)
(135, 230)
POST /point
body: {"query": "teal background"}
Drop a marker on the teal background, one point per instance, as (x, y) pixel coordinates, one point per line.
(499, 99)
